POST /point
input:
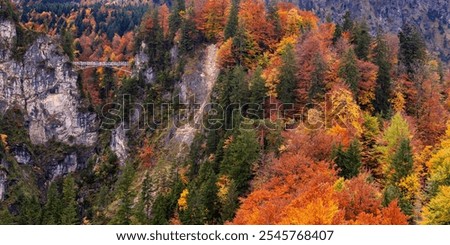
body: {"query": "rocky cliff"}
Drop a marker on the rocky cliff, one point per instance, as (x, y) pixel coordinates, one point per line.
(43, 84)
(39, 88)
(431, 16)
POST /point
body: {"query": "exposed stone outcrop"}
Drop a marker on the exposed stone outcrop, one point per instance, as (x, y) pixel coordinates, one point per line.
(69, 164)
(195, 90)
(3, 182)
(44, 85)
(21, 154)
(119, 144)
(7, 35)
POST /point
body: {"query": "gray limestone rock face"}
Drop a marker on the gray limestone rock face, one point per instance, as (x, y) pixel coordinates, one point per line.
(195, 90)
(63, 167)
(7, 36)
(21, 154)
(119, 143)
(3, 182)
(44, 85)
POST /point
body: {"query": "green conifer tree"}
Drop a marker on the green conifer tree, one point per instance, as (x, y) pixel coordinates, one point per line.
(53, 207)
(69, 215)
(233, 20)
(383, 89)
(349, 161)
(288, 81)
(349, 71)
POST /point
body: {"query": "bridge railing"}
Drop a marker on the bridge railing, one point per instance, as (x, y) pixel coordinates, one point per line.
(98, 63)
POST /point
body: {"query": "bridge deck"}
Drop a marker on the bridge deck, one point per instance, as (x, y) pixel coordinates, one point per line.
(98, 63)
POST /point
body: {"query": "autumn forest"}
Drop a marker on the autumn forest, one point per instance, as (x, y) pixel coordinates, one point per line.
(323, 121)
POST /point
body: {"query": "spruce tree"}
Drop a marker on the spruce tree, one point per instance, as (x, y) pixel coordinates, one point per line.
(349, 71)
(107, 82)
(402, 161)
(412, 51)
(142, 207)
(30, 210)
(154, 39)
(347, 24)
(287, 78)
(175, 19)
(239, 158)
(401, 167)
(69, 215)
(258, 93)
(318, 88)
(274, 17)
(124, 213)
(202, 203)
(337, 33)
(383, 88)
(233, 20)
(53, 207)
(348, 161)
(125, 195)
(188, 33)
(242, 47)
(230, 204)
(67, 42)
(361, 39)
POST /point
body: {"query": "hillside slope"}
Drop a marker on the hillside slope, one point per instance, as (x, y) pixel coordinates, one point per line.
(432, 16)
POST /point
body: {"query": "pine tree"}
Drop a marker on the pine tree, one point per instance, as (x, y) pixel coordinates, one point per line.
(30, 210)
(348, 161)
(202, 203)
(239, 158)
(349, 71)
(231, 203)
(156, 47)
(67, 42)
(188, 33)
(143, 206)
(107, 82)
(337, 33)
(347, 24)
(69, 215)
(318, 88)
(402, 161)
(125, 195)
(412, 51)
(164, 205)
(361, 39)
(383, 89)
(233, 20)
(53, 207)
(287, 79)
(258, 93)
(274, 18)
(242, 48)
(175, 19)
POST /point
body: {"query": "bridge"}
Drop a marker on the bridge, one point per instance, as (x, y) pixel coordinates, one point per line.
(81, 65)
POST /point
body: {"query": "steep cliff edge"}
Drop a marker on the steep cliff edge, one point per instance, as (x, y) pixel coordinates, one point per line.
(46, 125)
(195, 90)
(44, 85)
